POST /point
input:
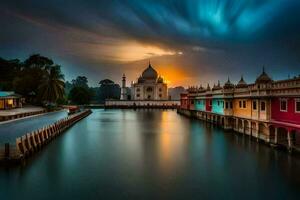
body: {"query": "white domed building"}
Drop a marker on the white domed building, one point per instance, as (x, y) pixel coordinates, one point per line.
(149, 86)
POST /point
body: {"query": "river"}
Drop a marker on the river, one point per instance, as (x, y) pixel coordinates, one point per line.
(152, 154)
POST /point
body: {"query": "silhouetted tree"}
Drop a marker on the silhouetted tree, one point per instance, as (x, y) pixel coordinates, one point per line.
(8, 70)
(68, 88)
(27, 77)
(80, 95)
(80, 81)
(108, 90)
(52, 86)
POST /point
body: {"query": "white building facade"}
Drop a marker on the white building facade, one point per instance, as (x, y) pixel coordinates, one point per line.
(149, 86)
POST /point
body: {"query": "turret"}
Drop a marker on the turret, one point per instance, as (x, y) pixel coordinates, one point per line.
(123, 88)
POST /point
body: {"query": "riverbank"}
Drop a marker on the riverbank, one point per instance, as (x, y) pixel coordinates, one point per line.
(29, 143)
(18, 113)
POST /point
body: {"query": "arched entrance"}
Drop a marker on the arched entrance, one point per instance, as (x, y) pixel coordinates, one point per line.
(282, 136)
(214, 119)
(253, 129)
(263, 131)
(295, 138)
(240, 126)
(219, 120)
(234, 124)
(272, 134)
(231, 122)
(247, 127)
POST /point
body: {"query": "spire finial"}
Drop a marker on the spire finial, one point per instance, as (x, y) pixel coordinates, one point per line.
(219, 83)
(149, 63)
(263, 69)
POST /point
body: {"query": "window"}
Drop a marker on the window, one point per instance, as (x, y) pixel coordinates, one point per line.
(138, 89)
(149, 89)
(254, 105)
(210, 102)
(231, 104)
(240, 104)
(244, 104)
(192, 102)
(262, 106)
(9, 101)
(218, 103)
(138, 95)
(226, 105)
(159, 95)
(297, 105)
(283, 105)
(160, 89)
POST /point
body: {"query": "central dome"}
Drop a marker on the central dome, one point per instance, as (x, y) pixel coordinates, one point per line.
(150, 73)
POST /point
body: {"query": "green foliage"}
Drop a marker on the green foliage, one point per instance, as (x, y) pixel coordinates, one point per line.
(80, 95)
(108, 90)
(52, 86)
(79, 91)
(68, 88)
(62, 100)
(80, 81)
(38, 79)
(8, 71)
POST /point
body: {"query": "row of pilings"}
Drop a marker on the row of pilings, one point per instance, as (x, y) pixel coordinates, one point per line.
(34, 141)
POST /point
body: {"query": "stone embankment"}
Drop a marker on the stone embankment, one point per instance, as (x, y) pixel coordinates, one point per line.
(20, 115)
(30, 143)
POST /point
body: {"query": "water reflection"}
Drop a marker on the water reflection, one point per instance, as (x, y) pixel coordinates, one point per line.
(152, 154)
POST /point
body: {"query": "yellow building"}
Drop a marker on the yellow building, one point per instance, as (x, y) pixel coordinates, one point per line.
(9, 100)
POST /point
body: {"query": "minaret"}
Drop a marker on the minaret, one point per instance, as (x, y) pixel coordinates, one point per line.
(123, 88)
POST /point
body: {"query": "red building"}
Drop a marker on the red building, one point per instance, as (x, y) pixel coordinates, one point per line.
(184, 102)
(286, 109)
(208, 104)
(285, 112)
(285, 103)
(208, 99)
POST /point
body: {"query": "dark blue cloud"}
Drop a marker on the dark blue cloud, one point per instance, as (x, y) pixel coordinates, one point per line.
(215, 36)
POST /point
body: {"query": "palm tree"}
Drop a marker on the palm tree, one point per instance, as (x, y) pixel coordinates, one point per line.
(52, 87)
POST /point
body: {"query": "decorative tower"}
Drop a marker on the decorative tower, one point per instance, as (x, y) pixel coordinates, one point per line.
(123, 88)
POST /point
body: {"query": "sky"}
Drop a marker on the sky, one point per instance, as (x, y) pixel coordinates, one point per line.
(189, 42)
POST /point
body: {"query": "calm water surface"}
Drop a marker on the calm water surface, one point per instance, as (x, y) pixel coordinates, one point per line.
(154, 154)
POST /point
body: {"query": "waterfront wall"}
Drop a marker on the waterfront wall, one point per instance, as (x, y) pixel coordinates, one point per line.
(21, 115)
(142, 103)
(32, 142)
(266, 109)
(260, 130)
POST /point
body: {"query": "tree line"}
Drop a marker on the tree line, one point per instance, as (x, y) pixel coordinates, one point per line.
(42, 82)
